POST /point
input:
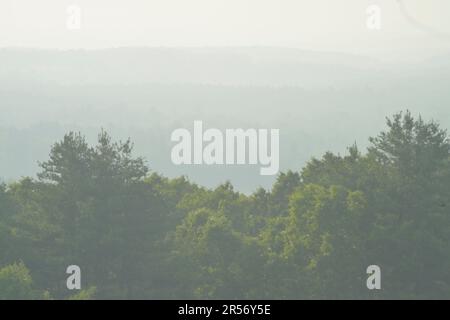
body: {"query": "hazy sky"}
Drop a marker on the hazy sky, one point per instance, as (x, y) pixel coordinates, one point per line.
(334, 25)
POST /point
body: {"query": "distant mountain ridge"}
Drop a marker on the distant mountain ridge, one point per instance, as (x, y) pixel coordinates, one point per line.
(259, 66)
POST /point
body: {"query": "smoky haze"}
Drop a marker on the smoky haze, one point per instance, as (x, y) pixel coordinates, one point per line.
(95, 203)
(312, 97)
(287, 64)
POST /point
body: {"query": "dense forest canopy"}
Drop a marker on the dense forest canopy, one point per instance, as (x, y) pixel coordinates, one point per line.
(136, 234)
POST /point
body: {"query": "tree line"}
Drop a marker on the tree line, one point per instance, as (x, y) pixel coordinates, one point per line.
(138, 235)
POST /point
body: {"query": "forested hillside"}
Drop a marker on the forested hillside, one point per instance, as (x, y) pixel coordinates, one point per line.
(136, 234)
(322, 101)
